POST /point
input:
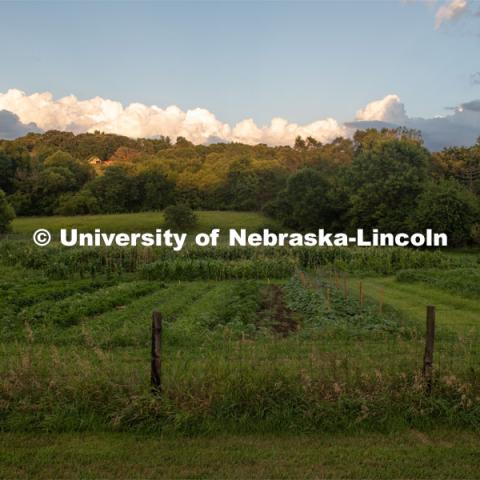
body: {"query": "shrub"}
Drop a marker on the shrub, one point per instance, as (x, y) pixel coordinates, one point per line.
(180, 217)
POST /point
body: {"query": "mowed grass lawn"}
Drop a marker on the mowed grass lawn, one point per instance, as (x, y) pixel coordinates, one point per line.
(409, 454)
(140, 222)
(455, 313)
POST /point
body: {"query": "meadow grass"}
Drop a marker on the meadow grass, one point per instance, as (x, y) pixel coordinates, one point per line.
(140, 222)
(438, 454)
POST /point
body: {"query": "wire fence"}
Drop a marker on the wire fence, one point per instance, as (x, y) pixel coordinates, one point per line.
(456, 343)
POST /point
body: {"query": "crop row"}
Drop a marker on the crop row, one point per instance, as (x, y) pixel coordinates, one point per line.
(209, 269)
(325, 307)
(71, 310)
(60, 262)
(385, 261)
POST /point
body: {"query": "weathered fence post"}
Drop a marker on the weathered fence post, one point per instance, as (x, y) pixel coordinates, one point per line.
(156, 363)
(345, 286)
(429, 343)
(327, 297)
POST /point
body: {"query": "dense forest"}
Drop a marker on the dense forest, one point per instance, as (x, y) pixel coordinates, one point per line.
(385, 179)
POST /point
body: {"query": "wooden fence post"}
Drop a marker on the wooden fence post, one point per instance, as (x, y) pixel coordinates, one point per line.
(429, 343)
(327, 297)
(156, 363)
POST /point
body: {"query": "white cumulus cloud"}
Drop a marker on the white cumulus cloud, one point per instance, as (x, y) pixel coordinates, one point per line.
(451, 10)
(200, 126)
(460, 128)
(138, 120)
(388, 109)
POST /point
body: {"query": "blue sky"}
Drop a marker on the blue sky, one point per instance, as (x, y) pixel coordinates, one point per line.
(292, 59)
(302, 61)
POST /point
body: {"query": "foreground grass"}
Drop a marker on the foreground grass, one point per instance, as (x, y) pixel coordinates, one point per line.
(139, 222)
(410, 454)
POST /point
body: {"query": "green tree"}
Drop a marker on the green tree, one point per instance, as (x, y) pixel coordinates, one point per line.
(7, 214)
(40, 186)
(79, 203)
(384, 181)
(180, 217)
(114, 191)
(241, 186)
(447, 207)
(152, 190)
(182, 142)
(83, 172)
(13, 157)
(51, 183)
(305, 203)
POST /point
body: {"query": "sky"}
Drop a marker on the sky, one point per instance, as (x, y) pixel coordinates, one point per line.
(272, 69)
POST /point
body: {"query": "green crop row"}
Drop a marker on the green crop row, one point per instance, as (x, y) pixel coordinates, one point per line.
(384, 261)
(71, 310)
(60, 262)
(186, 269)
(326, 308)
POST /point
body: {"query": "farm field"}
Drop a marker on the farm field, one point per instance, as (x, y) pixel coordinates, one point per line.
(264, 350)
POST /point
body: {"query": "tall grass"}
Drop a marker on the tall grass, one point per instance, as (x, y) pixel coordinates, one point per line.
(244, 390)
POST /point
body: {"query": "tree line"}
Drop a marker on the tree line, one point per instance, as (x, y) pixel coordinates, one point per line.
(378, 179)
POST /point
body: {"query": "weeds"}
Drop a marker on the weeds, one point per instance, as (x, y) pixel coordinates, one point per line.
(218, 393)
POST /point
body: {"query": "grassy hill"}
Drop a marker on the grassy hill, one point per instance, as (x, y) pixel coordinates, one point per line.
(140, 222)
